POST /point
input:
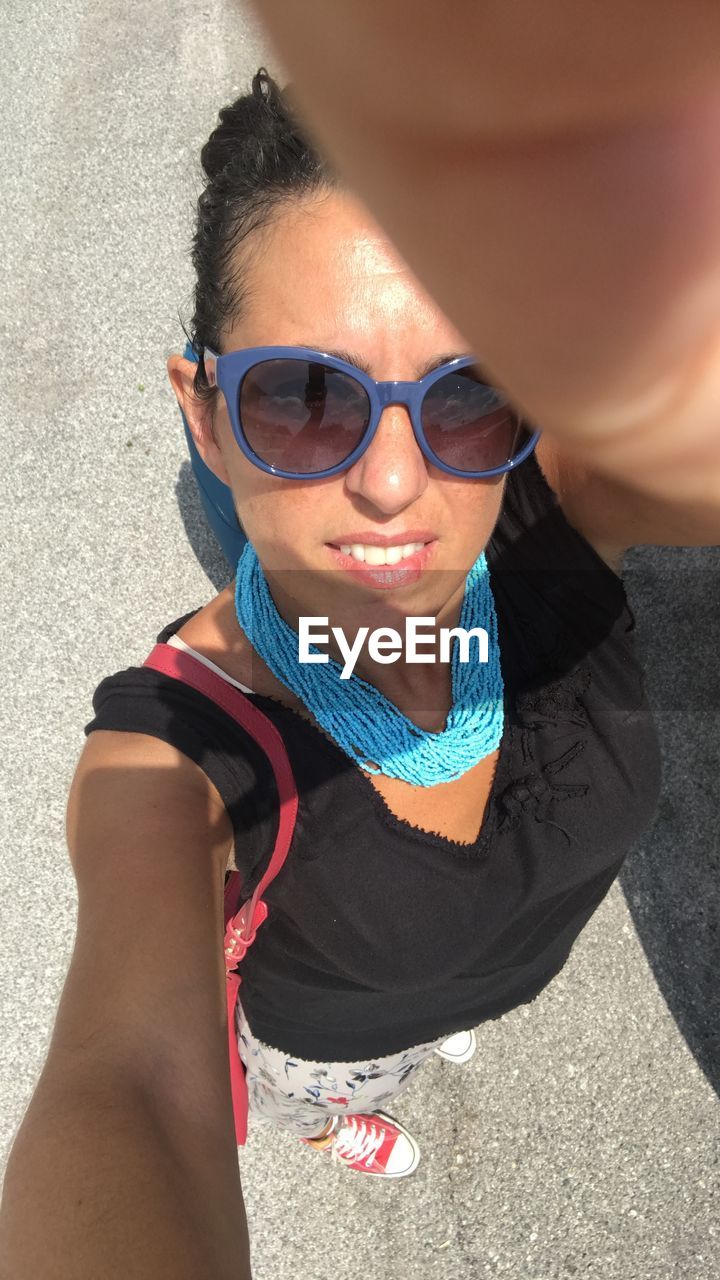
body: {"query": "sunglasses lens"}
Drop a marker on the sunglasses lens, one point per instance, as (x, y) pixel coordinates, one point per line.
(302, 416)
(469, 425)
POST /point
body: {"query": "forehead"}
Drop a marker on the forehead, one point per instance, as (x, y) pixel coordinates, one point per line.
(323, 271)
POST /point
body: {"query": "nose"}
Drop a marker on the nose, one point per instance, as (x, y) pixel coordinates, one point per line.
(392, 472)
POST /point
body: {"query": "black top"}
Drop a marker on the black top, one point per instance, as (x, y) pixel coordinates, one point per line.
(381, 936)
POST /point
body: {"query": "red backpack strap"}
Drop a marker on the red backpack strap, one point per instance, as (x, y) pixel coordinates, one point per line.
(241, 921)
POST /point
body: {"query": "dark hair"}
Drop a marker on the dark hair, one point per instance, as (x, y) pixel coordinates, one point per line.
(254, 160)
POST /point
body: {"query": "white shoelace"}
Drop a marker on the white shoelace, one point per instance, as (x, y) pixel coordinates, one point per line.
(357, 1140)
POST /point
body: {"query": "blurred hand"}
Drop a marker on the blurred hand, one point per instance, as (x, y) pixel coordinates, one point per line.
(552, 175)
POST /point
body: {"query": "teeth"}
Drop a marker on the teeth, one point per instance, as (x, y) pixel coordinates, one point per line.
(377, 556)
(374, 555)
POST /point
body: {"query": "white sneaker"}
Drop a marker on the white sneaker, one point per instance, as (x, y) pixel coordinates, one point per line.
(458, 1048)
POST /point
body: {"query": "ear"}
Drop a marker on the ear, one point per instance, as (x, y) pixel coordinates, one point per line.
(198, 414)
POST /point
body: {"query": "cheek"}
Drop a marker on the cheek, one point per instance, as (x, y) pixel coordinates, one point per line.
(475, 507)
(280, 520)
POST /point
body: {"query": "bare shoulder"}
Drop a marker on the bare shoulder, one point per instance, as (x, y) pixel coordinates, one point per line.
(613, 516)
(140, 782)
(209, 632)
(214, 632)
(140, 815)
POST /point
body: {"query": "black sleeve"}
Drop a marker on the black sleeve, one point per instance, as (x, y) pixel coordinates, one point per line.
(141, 700)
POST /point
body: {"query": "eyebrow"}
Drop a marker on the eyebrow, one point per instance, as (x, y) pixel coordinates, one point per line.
(351, 358)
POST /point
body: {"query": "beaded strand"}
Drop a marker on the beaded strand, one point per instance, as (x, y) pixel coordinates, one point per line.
(365, 724)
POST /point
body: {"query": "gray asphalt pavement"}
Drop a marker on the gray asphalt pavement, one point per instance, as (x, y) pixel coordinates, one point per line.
(583, 1139)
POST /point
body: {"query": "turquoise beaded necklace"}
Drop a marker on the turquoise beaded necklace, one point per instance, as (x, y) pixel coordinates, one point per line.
(360, 719)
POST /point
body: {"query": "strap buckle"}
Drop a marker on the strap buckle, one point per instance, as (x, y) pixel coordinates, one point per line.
(239, 939)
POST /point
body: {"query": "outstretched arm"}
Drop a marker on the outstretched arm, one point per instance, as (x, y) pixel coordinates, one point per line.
(552, 174)
(125, 1165)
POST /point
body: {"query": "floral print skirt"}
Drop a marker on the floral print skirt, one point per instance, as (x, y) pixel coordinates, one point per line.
(300, 1096)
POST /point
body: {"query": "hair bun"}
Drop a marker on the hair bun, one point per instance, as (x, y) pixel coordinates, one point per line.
(245, 123)
(256, 158)
(263, 85)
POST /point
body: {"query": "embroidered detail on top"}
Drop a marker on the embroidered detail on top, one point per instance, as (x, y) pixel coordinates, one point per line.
(536, 790)
(560, 700)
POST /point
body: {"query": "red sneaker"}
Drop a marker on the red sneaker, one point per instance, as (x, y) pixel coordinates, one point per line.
(372, 1143)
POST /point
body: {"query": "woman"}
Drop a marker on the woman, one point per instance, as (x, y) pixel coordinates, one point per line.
(430, 885)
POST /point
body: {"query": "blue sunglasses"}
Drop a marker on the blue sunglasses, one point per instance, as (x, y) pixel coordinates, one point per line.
(302, 414)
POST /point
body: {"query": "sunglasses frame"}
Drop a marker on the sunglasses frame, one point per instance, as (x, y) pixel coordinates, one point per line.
(228, 371)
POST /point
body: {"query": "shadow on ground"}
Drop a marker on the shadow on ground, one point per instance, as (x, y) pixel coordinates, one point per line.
(671, 881)
(205, 545)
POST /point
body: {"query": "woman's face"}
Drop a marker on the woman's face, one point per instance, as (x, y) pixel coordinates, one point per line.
(323, 275)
